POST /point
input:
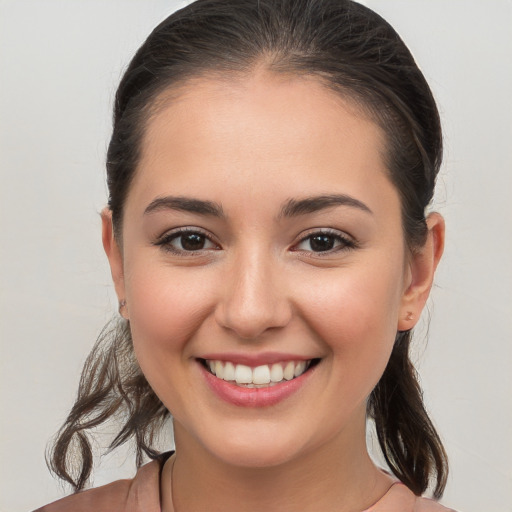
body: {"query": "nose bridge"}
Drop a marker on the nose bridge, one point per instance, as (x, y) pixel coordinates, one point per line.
(254, 298)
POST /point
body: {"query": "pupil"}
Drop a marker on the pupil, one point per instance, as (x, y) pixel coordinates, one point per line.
(322, 243)
(192, 242)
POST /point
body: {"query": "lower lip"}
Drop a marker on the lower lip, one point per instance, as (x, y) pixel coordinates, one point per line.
(254, 397)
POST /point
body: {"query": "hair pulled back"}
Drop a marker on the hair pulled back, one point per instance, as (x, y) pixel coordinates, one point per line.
(353, 51)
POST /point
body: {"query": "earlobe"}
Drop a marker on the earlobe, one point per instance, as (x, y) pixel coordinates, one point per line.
(115, 258)
(422, 266)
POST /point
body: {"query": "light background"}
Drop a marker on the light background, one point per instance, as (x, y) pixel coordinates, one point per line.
(60, 62)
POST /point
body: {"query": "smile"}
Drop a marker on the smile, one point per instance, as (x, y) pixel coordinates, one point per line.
(262, 376)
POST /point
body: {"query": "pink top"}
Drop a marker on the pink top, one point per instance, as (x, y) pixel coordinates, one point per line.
(142, 494)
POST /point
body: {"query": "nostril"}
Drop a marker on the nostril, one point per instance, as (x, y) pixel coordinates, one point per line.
(249, 320)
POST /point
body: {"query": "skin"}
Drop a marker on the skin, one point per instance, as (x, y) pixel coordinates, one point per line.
(250, 145)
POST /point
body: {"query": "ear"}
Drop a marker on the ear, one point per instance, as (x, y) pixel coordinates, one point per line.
(420, 276)
(115, 258)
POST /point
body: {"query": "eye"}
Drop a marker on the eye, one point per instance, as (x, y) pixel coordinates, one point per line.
(186, 241)
(324, 241)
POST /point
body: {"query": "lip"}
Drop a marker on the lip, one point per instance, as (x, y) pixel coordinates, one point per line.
(254, 397)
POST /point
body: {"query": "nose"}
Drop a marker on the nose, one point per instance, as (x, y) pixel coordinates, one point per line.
(254, 298)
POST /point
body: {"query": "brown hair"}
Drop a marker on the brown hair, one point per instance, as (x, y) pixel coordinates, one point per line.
(350, 49)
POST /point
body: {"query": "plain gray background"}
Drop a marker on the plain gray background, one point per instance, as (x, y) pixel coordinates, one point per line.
(60, 62)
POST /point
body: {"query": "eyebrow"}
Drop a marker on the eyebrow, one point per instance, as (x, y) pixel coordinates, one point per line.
(295, 207)
(185, 204)
(292, 207)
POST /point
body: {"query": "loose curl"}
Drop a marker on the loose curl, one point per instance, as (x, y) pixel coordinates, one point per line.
(356, 53)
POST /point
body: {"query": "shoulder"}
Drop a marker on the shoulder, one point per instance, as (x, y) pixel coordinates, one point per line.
(426, 505)
(111, 498)
(400, 498)
(141, 493)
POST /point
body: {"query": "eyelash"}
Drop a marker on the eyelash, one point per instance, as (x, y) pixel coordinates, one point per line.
(166, 240)
(345, 242)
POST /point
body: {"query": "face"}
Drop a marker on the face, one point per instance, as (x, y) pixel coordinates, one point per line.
(262, 241)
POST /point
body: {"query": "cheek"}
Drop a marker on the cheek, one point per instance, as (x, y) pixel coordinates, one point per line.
(166, 307)
(353, 303)
(355, 315)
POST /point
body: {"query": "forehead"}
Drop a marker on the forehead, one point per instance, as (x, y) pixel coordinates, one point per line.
(258, 132)
(258, 101)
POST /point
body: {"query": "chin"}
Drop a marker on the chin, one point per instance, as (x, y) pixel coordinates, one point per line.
(250, 448)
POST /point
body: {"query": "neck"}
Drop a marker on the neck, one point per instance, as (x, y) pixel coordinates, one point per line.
(337, 476)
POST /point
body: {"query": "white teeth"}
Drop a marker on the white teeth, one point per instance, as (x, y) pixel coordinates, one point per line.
(260, 376)
(276, 373)
(299, 368)
(229, 371)
(289, 371)
(243, 374)
(219, 369)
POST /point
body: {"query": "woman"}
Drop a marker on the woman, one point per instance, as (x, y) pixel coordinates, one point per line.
(269, 170)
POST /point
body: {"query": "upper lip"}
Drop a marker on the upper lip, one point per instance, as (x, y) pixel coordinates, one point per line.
(254, 360)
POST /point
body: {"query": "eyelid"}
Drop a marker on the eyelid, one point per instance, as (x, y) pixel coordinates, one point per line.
(348, 242)
(164, 240)
(167, 237)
